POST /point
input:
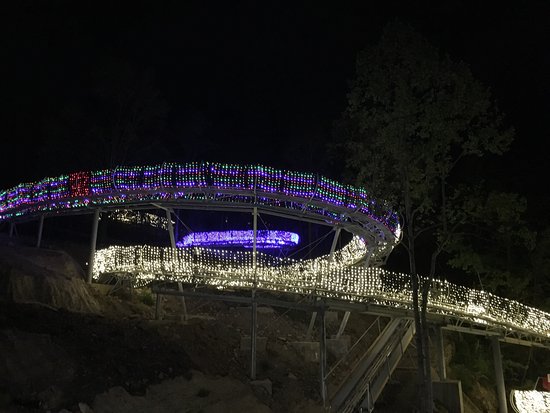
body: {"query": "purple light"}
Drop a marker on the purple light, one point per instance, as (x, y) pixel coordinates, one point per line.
(197, 181)
(264, 239)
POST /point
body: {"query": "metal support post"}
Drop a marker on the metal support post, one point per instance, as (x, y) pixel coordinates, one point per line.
(40, 228)
(323, 356)
(158, 306)
(442, 369)
(330, 259)
(185, 316)
(343, 324)
(254, 309)
(311, 324)
(93, 243)
(253, 328)
(170, 228)
(499, 375)
(333, 246)
(12, 229)
(254, 240)
(368, 255)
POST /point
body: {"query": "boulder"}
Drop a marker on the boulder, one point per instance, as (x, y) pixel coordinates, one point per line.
(44, 277)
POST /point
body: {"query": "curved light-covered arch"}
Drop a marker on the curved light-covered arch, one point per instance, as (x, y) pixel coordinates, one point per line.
(215, 186)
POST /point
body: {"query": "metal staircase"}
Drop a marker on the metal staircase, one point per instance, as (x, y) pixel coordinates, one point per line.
(365, 383)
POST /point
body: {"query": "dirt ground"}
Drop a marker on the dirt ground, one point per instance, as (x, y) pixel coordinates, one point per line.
(112, 355)
(55, 359)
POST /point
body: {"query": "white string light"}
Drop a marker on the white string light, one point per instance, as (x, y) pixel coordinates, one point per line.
(338, 279)
(531, 401)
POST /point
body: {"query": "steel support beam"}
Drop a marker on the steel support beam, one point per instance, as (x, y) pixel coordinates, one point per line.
(93, 243)
(343, 324)
(499, 376)
(254, 240)
(311, 324)
(441, 368)
(170, 228)
(323, 355)
(254, 307)
(253, 332)
(330, 258)
(237, 299)
(158, 306)
(12, 229)
(40, 229)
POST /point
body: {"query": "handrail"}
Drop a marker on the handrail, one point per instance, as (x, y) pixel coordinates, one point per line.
(188, 181)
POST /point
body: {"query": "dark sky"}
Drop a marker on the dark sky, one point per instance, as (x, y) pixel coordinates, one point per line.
(250, 81)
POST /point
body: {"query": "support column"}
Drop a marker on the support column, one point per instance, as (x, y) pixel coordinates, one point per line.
(254, 309)
(323, 356)
(330, 259)
(93, 243)
(441, 368)
(311, 324)
(12, 229)
(333, 246)
(343, 324)
(170, 227)
(253, 332)
(158, 306)
(40, 228)
(499, 376)
(254, 240)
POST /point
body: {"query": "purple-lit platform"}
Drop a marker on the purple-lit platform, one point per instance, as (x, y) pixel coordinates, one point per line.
(264, 239)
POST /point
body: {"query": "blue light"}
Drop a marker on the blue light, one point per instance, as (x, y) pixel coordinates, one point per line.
(264, 239)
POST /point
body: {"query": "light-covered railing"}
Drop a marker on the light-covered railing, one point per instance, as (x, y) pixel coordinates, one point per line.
(323, 276)
(530, 401)
(203, 182)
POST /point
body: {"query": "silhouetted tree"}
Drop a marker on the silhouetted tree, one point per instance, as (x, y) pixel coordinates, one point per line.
(413, 115)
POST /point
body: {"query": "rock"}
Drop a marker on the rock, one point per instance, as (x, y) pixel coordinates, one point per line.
(292, 376)
(45, 277)
(263, 384)
(263, 389)
(50, 398)
(84, 408)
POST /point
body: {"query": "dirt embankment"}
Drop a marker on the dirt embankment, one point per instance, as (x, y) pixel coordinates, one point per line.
(65, 347)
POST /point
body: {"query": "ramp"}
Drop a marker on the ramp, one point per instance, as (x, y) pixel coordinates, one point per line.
(365, 383)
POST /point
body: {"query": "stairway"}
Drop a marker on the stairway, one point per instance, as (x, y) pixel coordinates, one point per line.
(364, 384)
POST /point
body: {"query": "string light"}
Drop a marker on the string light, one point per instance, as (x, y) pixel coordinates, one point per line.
(265, 239)
(336, 278)
(79, 184)
(139, 218)
(212, 182)
(531, 401)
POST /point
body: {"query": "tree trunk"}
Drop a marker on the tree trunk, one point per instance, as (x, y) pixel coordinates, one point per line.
(424, 376)
(428, 390)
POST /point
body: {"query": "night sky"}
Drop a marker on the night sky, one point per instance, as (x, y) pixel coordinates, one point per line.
(258, 82)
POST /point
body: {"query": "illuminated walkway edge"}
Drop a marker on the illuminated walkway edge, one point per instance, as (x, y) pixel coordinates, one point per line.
(323, 278)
